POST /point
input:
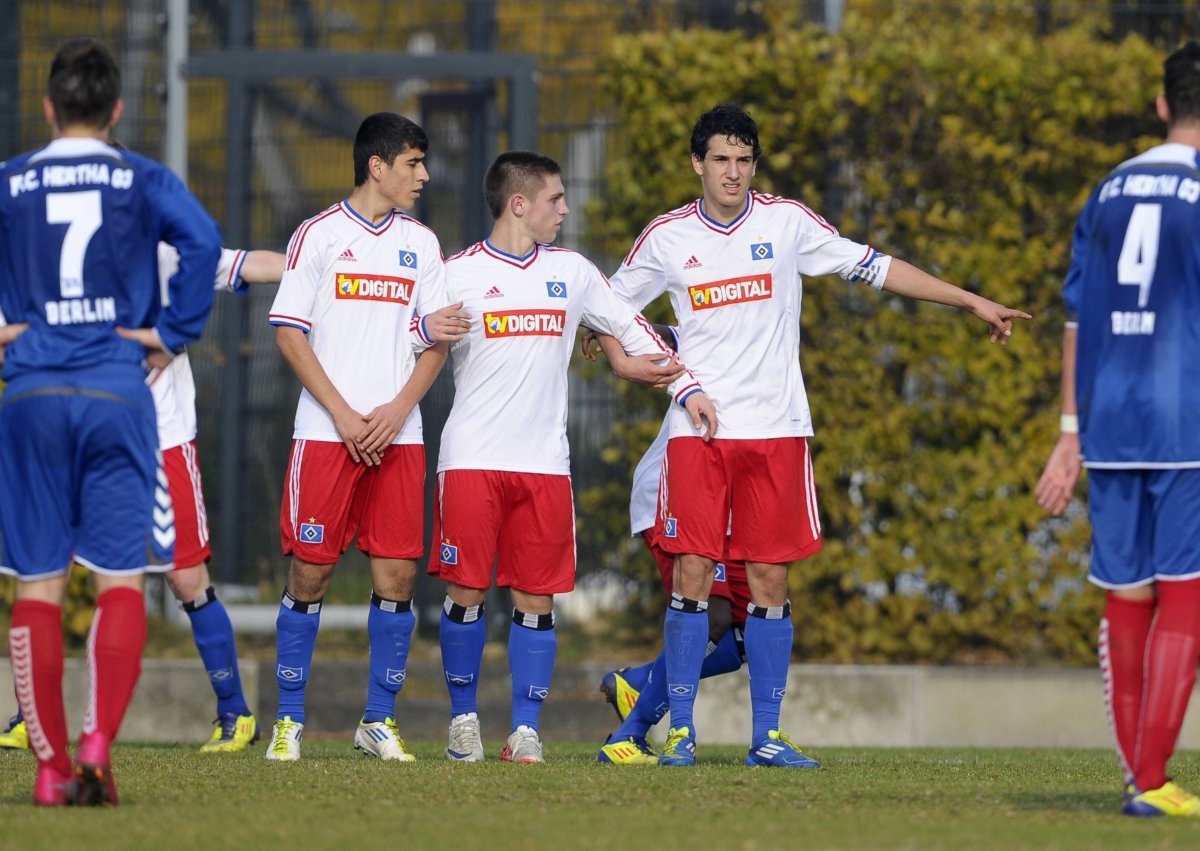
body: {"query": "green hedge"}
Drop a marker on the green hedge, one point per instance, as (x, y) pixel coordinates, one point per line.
(966, 147)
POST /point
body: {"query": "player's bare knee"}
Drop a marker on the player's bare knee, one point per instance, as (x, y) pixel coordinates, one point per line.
(188, 583)
(465, 597)
(394, 579)
(308, 582)
(533, 604)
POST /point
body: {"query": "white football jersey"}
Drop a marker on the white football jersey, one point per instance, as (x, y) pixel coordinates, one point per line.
(174, 390)
(355, 288)
(736, 293)
(647, 478)
(510, 372)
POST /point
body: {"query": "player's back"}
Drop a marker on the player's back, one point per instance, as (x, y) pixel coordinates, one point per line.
(1135, 285)
(80, 232)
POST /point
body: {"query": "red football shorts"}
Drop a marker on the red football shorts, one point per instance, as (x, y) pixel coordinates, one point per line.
(524, 523)
(182, 466)
(760, 492)
(730, 581)
(328, 497)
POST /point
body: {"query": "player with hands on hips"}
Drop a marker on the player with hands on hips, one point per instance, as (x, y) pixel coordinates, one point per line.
(80, 230)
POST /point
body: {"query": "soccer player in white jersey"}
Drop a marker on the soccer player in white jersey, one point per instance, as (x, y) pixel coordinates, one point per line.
(357, 276)
(732, 263)
(180, 532)
(504, 485)
(1130, 405)
(184, 525)
(638, 694)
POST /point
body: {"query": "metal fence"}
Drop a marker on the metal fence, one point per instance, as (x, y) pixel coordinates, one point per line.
(275, 98)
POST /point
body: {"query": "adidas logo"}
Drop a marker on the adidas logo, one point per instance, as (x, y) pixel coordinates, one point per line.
(348, 256)
(494, 292)
(692, 263)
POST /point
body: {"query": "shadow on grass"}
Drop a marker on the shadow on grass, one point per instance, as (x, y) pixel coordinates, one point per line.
(1067, 801)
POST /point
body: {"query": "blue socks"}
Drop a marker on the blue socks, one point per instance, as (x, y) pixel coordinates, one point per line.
(463, 633)
(723, 657)
(685, 637)
(531, 648)
(390, 626)
(768, 654)
(295, 636)
(213, 634)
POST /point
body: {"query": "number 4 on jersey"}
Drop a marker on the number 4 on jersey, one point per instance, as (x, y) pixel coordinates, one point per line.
(1139, 252)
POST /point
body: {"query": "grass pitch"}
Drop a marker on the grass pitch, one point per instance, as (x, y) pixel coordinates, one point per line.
(172, 797)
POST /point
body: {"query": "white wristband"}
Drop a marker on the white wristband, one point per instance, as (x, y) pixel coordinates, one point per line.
(1068, 424)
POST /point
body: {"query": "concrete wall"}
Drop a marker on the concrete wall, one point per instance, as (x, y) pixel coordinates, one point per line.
(886, 706)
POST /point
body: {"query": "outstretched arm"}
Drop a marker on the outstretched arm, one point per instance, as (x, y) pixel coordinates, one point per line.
(1058, 480)
(262, 267)
(907, 280)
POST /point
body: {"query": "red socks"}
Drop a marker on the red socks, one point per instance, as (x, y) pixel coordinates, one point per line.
(1123, 631)
(1171, 652)
(114, 652)
(35, 643)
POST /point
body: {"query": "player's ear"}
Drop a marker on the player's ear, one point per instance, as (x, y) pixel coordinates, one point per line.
(1164, 110)
(48, 112)
(118, 111)
(517, 204)
(697, 164)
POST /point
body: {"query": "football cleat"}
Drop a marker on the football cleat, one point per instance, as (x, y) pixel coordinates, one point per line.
(632, 750)
(234, 733)
(621, 696)
(381, 739)
(523, 746)
(1169, 799)
(95, 785)
(680, 749)
(778, 751)
(465, 744)
(52, 789)
(285, 740)
(15, 736)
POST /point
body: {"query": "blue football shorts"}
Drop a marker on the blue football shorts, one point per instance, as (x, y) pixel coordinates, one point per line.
(77, 473)
(1144, 526)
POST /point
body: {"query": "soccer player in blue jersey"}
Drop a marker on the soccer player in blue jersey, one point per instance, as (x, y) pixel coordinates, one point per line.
(80, 224)
(1130, 410)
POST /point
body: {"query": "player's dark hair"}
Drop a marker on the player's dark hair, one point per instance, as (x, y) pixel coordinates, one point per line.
(1181, 83)
(84, 84)
(516, 173)
(385, 135)
(729, 121)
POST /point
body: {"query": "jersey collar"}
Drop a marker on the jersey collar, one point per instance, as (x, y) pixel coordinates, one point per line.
(373, 228)
(520, 262)
(713, 224)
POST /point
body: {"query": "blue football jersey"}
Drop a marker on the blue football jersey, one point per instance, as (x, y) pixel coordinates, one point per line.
(1134, 287)
(80, 224)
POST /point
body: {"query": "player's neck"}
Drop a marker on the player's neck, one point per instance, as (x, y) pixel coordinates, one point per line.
(369, 204)
(1185, 134)
(508, 236)
(82, 131)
